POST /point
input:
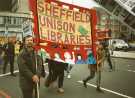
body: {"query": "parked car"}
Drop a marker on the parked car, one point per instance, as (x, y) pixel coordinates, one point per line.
(118, 44)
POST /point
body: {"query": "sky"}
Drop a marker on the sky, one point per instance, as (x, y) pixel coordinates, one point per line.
(82, 3)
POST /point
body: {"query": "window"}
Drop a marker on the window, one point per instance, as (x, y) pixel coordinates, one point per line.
(14, 5)
(1, 20)
(124, 13)
(129, 19)
(123, 28)
(117, 10)
(131, 4)
(109, 4)
(123, 1)
(133, 9)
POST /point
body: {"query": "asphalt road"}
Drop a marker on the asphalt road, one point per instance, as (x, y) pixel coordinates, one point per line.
(116, 84)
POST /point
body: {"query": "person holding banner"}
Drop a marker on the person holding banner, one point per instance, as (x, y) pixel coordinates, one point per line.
(30, 69)
(95, 66)
(91, 61)
(56, 72)
(100, 62)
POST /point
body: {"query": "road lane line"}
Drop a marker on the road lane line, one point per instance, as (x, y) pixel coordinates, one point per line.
(131, 70)
(16, 71)
(116, 93)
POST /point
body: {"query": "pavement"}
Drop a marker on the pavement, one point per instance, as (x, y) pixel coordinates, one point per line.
(123, 54)
(116, 84)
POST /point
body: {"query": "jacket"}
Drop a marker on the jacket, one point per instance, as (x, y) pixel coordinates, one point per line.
(27, 68)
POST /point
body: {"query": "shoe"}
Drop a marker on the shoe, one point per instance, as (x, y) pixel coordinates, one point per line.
(84, 84)
(68, 76)
(61, 90)
(47, 83)
(110, 70)
(99, 90)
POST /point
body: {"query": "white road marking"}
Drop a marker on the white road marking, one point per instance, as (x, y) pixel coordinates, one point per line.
(16, 71)
(122, 95)
(131, 70)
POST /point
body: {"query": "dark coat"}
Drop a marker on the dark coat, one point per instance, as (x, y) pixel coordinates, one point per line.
(27, 68)
(56, 69)
(9, 49)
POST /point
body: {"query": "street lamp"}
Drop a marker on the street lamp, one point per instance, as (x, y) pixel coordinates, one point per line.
(6, 30)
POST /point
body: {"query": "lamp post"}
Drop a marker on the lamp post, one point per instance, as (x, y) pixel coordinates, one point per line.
(6, 32)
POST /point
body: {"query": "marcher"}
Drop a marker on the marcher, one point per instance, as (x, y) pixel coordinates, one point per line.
(9, 54)
(56, 71)
(95, 66)
(80, 59)
(30, 68)
(112, 48)
(60, 76)
(108, 58)
(17, 48)
(70, 59)
(1, 54)
(100, 59)
(107, 55)
(91, 61)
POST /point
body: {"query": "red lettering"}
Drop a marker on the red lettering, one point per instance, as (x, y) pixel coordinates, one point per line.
(81, 39)
(71, 27)
(55, 11)
(53, 36)
(47, 9)
(69, 15)
(48, 33)
(42, 34)
(88, 18)
(62, 13)
(49, 22)
(77, 39)
(59, 38)
(66, 40)
(54, 24)
(77, 16)
(40, 7)
(88, 40)
(42, 20)
(59, 25)
(72, 39)
(65, 26)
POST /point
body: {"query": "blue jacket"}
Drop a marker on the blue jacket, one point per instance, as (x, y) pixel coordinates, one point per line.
(80, 62)
(90, 59)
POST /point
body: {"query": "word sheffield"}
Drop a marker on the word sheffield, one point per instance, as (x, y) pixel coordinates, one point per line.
(61, 13)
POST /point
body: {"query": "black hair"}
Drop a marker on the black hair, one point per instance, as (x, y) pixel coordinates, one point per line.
(79, 54)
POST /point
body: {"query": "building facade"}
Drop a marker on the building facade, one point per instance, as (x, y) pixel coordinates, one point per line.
(107, 21)
(13, 14)
(122, 9)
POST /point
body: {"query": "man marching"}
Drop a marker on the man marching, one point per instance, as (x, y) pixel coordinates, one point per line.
(30, 68)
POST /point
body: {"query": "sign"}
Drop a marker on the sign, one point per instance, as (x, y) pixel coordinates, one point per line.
(129, 5)
(27, 28)
(62, 25)
(64, 32)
